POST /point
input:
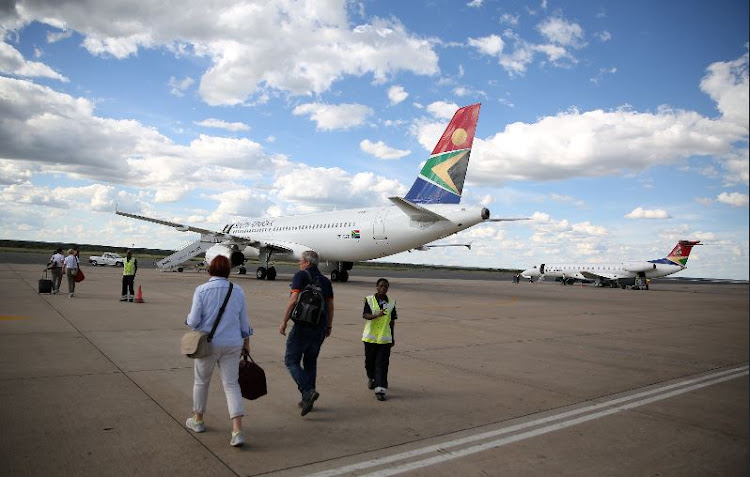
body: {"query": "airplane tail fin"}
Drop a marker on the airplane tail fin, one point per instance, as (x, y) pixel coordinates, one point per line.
(681, 251)
(441, 180)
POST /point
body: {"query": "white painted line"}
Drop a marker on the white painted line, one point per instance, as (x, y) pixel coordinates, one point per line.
(444, 446)
(554, 427)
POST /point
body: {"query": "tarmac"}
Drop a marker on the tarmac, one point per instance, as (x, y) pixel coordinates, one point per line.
(487, 377)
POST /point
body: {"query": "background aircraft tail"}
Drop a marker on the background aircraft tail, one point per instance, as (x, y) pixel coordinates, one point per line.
(681, 251)
(441, 180)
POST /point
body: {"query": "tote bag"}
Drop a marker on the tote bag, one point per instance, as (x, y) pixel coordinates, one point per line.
(252, 379)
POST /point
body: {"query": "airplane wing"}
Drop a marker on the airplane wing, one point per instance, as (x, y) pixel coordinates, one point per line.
(423, 248)
(608, 276)
(508, 220)
(179, 227)
(205, 233)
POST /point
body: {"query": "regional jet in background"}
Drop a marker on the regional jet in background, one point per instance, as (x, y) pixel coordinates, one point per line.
(620, 274)
(430, 211)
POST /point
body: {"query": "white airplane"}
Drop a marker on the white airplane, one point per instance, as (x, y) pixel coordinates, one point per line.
(429, 211)
(619, 274)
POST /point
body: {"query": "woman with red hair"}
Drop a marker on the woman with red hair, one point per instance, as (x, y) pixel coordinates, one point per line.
(232, 336)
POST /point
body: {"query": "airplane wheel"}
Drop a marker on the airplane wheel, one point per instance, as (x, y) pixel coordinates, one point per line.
(260, 274)
(242, 271)
(335, 276)
(344, 276)
(271, 273)
(179, 270)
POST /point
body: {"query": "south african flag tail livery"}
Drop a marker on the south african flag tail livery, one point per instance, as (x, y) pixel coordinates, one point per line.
(441, 180)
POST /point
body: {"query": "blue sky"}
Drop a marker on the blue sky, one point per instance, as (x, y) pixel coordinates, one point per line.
(618, 127)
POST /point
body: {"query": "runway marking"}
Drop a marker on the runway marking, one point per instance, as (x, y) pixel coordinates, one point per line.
(10, 318)
(567, 420)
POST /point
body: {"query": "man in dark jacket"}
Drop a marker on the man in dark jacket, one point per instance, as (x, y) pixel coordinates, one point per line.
(304, 341)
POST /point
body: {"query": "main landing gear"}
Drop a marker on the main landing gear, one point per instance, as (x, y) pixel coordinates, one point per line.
(266, 273)
(341, 272)
(339, 276)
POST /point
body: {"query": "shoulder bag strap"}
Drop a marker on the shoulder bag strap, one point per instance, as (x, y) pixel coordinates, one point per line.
(313, 280)
(221, 312)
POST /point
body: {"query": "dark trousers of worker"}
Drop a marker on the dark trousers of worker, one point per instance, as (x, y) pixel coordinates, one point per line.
(128, 285)
(303, 346)
(377, 358)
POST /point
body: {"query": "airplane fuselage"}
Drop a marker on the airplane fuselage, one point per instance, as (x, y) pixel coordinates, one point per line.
(607, 271)
(356, 234)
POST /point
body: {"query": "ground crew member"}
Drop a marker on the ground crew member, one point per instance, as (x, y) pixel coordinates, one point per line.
(129, 267)
(378, 336)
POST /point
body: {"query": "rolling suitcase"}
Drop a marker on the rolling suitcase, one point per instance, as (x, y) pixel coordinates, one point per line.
(45, 284)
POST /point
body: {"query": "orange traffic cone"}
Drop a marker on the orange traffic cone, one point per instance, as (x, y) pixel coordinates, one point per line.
(139, 295)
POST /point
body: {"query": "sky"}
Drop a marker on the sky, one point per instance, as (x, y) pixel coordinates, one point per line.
(619, 128)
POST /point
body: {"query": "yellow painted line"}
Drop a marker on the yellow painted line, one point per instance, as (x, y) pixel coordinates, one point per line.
(9, 318)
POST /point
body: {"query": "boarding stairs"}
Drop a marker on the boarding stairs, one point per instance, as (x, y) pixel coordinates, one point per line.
(177, 259)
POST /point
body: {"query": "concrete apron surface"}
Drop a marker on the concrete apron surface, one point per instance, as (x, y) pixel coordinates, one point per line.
(486, 378)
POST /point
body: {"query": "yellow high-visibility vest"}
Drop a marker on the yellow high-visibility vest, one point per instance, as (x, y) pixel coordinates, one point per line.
(378, 330)
(129, 267)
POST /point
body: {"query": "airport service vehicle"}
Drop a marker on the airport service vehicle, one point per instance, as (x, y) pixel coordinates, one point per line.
(621, 274)
(107, 258)
(430, 211)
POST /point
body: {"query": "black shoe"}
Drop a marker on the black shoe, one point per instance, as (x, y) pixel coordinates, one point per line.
(380, 396)
(307, 404)
(123, 299)
(370, 384)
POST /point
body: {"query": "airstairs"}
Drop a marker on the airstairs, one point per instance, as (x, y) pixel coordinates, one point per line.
(176, 260)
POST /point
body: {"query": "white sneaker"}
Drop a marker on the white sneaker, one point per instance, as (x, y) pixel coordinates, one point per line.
(238, 439)
(70, 295)
(197, 426)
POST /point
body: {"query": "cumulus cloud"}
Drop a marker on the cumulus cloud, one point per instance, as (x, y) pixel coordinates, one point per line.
(220, 124)
(397, 94)
(560, 35)
(294, 46)
(311, 189)
(641, 213)
(727, 83)
(735, 199)
(56, 132)
(598, 143)
(12, 62)
(442, 110)
(562, 32)
(329, 117)
(178, 87)
(381, 150)
(489, 45)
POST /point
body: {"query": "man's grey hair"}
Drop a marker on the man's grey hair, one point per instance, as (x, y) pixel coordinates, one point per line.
(310, 256)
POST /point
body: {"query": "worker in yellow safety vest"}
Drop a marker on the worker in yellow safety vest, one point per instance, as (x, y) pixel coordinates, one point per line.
(129, 267)
(378, 336)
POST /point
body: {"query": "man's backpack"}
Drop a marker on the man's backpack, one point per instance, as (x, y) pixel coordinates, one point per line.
(310, 303)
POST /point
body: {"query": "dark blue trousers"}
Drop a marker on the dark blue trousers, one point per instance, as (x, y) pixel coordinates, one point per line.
(303, 346)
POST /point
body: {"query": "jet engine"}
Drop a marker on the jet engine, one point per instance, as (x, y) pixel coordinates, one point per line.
(235, 257)
(638, 267)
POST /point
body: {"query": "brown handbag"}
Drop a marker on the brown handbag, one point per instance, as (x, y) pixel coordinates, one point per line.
(252, 378)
